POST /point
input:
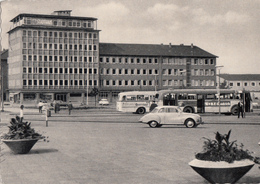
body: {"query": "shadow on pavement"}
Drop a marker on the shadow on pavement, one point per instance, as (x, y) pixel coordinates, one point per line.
(42, 151)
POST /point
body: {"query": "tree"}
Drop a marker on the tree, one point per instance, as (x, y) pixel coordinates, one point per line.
(94, 92)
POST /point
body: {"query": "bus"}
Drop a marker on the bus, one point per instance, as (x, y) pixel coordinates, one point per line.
(205, 100)
(135, 101)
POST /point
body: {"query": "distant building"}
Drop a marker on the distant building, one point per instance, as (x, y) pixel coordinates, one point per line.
(249, 82)
(4, 74)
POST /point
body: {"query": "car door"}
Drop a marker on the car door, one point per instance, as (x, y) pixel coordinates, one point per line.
(172, 116)
(162, 113)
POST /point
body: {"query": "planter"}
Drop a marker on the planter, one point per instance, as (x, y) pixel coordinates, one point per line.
(20, 146)
(221, 172)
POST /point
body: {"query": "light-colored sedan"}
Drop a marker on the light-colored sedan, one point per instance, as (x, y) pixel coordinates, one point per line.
(166, 115)
(103, 102)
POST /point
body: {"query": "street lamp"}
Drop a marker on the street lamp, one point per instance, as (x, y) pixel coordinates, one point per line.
(218, 87)
(182, 73)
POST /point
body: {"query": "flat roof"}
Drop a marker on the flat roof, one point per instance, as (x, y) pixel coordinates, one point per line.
(20, 16)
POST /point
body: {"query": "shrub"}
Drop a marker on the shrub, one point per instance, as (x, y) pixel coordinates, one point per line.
(21, 130)
(221, 149)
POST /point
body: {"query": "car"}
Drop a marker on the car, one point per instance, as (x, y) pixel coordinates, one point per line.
(103, 102)
(166, 115)
(62, 103)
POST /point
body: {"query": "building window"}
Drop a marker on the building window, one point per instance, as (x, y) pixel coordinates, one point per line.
(231, 84)
(245, 84)
(253, 83)
(238, 84)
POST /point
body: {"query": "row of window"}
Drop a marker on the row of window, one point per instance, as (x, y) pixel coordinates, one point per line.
(50, 46)
(129, 82)
(59, 58)
(174, 61)
(118, 71)
(181, 61)
(59, 83)
(194, 72)
(244, 84)
(193, 83)
(60, 70)
(57, 40)
(125, 60)
(61, 34)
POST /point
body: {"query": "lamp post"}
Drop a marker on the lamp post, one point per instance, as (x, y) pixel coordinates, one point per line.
(182, 73)
(218, 87)
(1, 65)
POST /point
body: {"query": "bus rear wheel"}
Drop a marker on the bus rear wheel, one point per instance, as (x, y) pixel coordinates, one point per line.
(188, 110)
(140, 110)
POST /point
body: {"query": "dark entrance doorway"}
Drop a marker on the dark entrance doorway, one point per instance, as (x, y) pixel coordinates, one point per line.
(200, 104)
(62, 97)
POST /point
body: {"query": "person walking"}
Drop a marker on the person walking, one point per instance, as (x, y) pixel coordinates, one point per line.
(70, 107)
(240, 109)
(21, 113)
(40, 105)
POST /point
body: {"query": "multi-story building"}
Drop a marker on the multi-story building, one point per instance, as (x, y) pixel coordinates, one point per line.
(4, 75)
(125, 67)
(59, 57)
(52, 57)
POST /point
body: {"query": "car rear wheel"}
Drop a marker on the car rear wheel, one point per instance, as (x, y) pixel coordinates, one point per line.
(140, 110)
(190, 123)
(153, 124)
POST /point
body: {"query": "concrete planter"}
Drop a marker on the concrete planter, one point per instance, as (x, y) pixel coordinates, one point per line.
(20, 146)
(221, 172)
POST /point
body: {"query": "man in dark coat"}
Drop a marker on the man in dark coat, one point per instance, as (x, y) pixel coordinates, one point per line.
(240, 109)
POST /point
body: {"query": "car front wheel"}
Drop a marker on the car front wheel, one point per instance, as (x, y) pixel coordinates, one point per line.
(190, 123)
(153, 124)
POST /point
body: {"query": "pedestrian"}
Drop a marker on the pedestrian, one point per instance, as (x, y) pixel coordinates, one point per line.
(70, 107)
(240, 109)
(153, 105)
(21, 113)
(56, 107)
(40, 105)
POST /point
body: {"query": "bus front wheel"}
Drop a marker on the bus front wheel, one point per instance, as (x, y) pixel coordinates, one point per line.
(234, 110)
(140, 110)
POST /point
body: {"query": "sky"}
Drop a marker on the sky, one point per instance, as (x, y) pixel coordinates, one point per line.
(228, 29)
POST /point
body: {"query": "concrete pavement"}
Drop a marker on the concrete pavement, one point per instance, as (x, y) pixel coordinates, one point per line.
(93, 146)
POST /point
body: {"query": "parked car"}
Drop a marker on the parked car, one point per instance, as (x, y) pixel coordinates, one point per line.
(62, 103)
(164, 115)
(103, 102)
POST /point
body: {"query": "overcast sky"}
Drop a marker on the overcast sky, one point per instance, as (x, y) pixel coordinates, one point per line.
(226, 28)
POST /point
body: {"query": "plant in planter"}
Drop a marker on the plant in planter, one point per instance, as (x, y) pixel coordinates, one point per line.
(222, 160)
(21, 137)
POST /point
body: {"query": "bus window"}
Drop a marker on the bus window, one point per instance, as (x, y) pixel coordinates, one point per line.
(140, 97)
(210, 96)
(130, 98)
